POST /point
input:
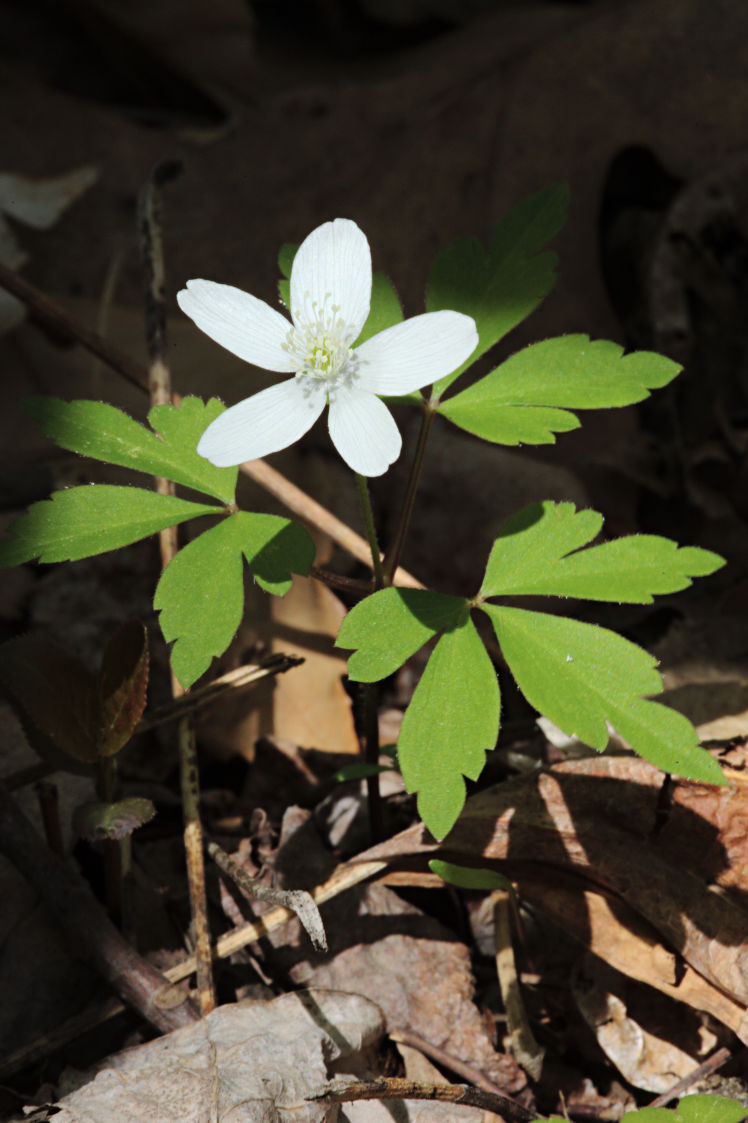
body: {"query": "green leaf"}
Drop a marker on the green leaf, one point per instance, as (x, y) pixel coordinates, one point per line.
(84, 521)
(54, 692)
(692, 1109)
(201, 592)
(286, 254)
(533, 555)
(527, 399)
(274, 548)
(99, 430)
(581, 676)
(385, 309)
(452, 721)
(388, 627)
(709, 1109)
(123, 686)
(95, 820)
(500, 288)
(465, 878)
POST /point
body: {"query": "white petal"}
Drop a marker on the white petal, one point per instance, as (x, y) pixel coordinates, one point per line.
(333, 266)
(363, 431)
(241, 323)
(416, 352)
(264, 423)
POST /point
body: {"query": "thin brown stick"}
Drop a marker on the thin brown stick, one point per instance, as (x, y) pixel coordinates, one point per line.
(346, 1091)
(55, 320)
(159, 382)
(89, 929)
(719, 1058)
(448, 1060)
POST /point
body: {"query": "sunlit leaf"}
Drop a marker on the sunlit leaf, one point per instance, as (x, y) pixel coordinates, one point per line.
(527, 399)
(105, 433)
(692, 1109)
(452, 721)
(501, 287)
(83, 521)
(538, 551)
(201, 592)
(581, 676)
(386, 628)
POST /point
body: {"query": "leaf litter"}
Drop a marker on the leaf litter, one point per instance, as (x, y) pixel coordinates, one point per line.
(590, 869)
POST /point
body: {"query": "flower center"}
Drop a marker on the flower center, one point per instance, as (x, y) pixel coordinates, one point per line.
(319, 346)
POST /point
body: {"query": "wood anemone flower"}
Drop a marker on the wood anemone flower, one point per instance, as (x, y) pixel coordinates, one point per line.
(330, 298)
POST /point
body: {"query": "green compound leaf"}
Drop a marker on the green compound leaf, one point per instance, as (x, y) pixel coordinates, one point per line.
(385, 309)
(105, 433)
(388, 627)
(201, 592)
(692, 1109)
(527, 399)
(533, 556)
(500, 288)
(84, 521)
(466, 878)
(582, 676)
(452, 721)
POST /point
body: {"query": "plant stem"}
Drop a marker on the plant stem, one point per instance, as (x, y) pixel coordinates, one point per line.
(110, 847)
(371, 531)
(369, 691)
(395, 551)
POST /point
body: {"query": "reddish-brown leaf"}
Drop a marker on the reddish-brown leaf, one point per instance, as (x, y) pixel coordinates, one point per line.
(54, 693)
(123, 685)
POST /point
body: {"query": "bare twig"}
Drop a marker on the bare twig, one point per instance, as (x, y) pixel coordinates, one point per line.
(719, 1058)
(248, 674)
(448, 1060)
(55, 320)
(89, 929)
(298, 900)
(159, 382)
(346, 1091)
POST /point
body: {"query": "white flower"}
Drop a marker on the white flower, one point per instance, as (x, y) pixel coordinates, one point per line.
(330, 295)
